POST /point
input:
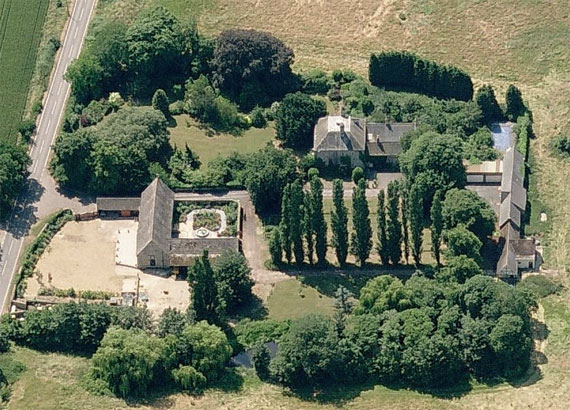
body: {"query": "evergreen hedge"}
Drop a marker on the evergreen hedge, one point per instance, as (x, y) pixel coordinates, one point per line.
(400, 69)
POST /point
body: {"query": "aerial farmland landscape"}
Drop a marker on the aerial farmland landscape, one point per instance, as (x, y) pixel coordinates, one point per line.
(284, 204)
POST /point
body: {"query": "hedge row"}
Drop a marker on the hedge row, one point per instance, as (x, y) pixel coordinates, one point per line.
(37, 247)
(81, 294)
(401, 69)
(524, 133)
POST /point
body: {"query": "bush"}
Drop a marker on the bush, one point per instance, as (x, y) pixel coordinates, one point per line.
(316, 82)
(540, 286)
(524, 133)
(27, 129)
(250, 334)
(357, 174)
(258, 117)
(261, 360)
(177, 108)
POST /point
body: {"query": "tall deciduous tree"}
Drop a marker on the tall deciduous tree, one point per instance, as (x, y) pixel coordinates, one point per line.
(461, 241)
(204, 291)
(14, 162)
(416, 212)
(436, 228)
(233, 279)
(275, 247)
(296, 221)
(339, 223)
(318, 219)
(308, 227)
(295, 119)
(405, 213)
(382, 245)
(361, 241)
(393, 225)
(465, 207)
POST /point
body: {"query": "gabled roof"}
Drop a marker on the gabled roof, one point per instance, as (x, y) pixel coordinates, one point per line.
(524, 248)
(507, 264)
(155, 216)
(338, 133)
(513, 170)
(509, 212)
(383, 139)
(118, 204)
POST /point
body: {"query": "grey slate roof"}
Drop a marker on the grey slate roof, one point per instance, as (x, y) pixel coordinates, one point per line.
(155, 216)
(509, 212)
(507, 264)
(524, 248)
(338, 133)
(118, 204)
(513, 170)
(184, 250)
(383, 139)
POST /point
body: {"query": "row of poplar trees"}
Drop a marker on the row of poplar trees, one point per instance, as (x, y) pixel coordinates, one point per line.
(400, 223)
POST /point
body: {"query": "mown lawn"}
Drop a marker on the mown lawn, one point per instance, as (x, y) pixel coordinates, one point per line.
(21, 25)
(291, 299)
(208, 147)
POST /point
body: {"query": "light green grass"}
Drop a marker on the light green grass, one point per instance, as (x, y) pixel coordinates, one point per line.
(291, 299)
(209, 147)
(20, 33)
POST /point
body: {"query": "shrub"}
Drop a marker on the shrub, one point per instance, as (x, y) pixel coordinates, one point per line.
(258, 117)
(524, 133)
(539, 285)
(27, 129)
(357, 174)
(261, 360)
(561, 146)
(254, 333)
(316, 82)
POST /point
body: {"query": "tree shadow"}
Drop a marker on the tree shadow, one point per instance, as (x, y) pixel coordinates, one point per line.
(230, 381)
(254, 310)
(81, 197)
(23, 216)
(337, 395)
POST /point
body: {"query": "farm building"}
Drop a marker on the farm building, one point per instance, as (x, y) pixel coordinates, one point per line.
(156, 245)
(338, 138)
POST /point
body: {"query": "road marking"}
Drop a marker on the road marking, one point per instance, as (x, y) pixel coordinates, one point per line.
(49, 122)
(81, 15)
(75, 35)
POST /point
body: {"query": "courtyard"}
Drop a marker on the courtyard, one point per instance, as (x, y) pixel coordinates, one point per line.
(99, 255)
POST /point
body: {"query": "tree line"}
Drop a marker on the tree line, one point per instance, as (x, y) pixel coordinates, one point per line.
(402, 69)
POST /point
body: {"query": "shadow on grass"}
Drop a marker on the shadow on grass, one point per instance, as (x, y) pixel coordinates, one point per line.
(254, 310)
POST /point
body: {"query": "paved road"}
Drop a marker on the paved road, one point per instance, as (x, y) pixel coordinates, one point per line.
(40, 196)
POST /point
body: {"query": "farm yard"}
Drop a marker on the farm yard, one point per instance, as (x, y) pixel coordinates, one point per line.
(21, 24)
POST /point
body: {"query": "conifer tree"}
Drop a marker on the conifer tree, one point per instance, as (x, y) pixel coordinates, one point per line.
(160, 102)
(405, 220)
(515, 104)
(339, 223)
(361, 241)
(318, 220)
(285, 225)
(296, 221)
(275, 248)
(382, 245)
(416, 210)
(393, 225)
(436, 227)
(204, 292)
(342, 307)
(308, 227)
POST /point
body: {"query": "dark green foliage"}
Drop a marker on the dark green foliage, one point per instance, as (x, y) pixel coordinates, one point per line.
(561, 146)
(480, 146)
(459, 268)
(514, 102)
(261, 359)
(343, 306)
(115, 156)
(296, 221)
(318, 223)
(285, 224)
(131, 317)
(465, 207)
(416, 214)
(252, 67)
(524, 133)
(171, 322)
(339, 223)
(309, 353)
(381, 294)
(405, 215)
(487, 102)
(205, 301)
(393, 225)
(361, 239)
(233, 279)
(434, 162)
(27, 129)
(295, 119)
(160, 102)
(316, 82)
(258, 117)
(14, 162)
(276, 246)
(382, 244)
(540, 286)
(182, 163)
(400, 69)
(461, 241)
(357, 174)
(511, 344)
(266, 173)
(308, 228)
(436, 227)
(250, 333)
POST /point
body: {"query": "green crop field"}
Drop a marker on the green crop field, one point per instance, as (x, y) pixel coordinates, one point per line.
(21, 23)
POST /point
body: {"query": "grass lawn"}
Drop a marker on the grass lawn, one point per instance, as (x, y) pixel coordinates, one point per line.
(21, 25)
(209, 147)
(290, 299)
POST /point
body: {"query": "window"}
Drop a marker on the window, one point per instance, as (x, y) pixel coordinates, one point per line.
(152, 260)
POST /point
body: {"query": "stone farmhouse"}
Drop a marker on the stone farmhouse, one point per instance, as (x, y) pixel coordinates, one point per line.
(157, 247)
(338, 138)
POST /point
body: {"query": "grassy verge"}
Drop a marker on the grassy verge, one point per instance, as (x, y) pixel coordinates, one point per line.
(209, 147)
(56, 17)
(21, 25)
